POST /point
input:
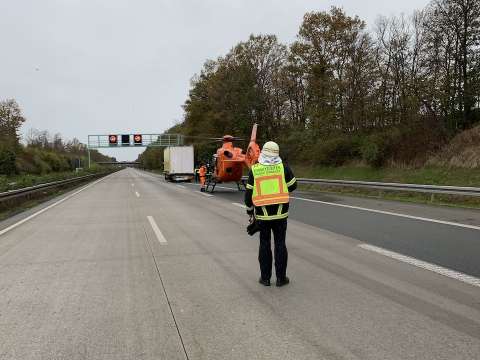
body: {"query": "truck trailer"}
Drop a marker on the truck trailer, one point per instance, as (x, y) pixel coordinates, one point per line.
(178, 163)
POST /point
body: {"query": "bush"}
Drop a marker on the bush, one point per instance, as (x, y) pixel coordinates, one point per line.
(374, 150)
(297, 146)
(7, 161)
(379, 147)
(24, 166)
(41, 165)
(337, 151)
(55, 161)
(40, 161)
(371, 153)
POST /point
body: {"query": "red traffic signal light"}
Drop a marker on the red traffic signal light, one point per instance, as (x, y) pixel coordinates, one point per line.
(112, 139)
(137, 139)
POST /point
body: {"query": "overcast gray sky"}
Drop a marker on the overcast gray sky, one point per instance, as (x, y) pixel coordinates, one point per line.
(82, 67)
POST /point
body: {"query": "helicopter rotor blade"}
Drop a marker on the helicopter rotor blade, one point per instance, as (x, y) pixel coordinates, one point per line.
(214, 138)
(229, 139)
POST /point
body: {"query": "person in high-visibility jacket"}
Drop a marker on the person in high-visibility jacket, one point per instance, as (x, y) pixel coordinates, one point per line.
(202, 173)
(267, 198)
(196, 173)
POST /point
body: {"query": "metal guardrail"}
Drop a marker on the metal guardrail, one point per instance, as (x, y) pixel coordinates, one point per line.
(7, 195)
(430, 189)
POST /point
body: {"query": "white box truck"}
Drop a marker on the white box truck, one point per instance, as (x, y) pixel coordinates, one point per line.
(178, 163)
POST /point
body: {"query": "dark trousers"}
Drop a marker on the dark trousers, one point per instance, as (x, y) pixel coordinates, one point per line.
(279, 229)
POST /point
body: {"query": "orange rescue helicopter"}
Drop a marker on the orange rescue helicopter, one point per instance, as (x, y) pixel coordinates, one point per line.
(229, 161)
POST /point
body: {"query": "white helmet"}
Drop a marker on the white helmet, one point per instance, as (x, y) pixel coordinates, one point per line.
(271, 149)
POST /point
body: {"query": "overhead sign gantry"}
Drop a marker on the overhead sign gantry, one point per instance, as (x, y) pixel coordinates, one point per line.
(132, 140)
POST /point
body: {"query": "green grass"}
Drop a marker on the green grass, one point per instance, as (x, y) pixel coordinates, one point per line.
(429, 175)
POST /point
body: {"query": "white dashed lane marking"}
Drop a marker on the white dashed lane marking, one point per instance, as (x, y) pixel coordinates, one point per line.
(161, 239)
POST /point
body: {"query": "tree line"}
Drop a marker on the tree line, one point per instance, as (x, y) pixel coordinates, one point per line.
(340, 92)
(41, 152)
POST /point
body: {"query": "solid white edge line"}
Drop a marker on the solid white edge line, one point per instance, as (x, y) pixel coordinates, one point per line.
(204, 194)
(392, 214)
(471, 280)
(137, 194)
(239, 205)
(13, 226)
(161, 239)
(180, 186)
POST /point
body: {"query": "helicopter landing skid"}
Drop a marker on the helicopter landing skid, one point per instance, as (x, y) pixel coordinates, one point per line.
(241, 186)
(211, 183)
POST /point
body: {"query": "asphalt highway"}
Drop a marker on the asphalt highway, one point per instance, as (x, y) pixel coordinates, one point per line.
(131, 267)
(455, 247)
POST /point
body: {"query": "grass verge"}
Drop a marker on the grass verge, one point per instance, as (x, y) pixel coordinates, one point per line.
(431, 175)
(427, 175)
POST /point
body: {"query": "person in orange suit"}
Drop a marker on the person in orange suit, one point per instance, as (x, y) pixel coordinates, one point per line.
(202, 172)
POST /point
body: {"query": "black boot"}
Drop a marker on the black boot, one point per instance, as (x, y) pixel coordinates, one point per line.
(264, 282)
(282, 282)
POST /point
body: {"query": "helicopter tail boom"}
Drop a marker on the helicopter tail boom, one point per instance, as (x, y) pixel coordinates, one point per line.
(253, 137)
(253, 150)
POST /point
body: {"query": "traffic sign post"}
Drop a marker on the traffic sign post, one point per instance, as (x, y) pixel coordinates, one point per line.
(88, 151)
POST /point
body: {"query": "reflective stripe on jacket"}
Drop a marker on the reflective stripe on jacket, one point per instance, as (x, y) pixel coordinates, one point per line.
(264, 215)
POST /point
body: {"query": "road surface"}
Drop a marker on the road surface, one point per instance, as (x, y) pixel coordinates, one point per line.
(131, 267)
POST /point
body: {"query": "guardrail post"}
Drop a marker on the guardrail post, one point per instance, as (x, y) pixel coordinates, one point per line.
(88, 151)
